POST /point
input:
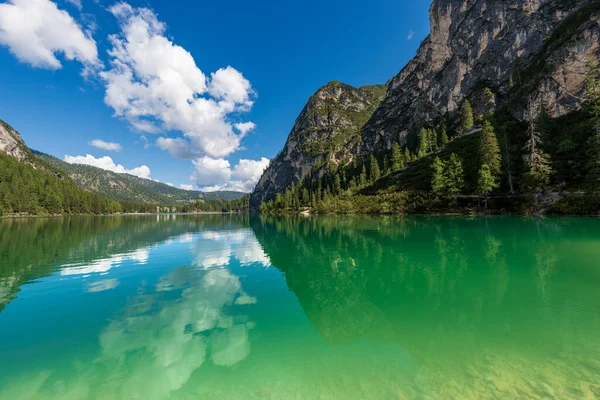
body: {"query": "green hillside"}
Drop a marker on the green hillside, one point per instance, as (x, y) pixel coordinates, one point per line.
(127, 187)
(38, 190)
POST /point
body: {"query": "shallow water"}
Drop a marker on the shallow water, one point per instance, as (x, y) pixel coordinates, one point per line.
(231, 307)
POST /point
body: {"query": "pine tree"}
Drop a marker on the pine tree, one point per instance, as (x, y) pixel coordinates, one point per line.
(466, 120)
(386, 165)
(423, 143)
(438, 180)
(397, 157)
(363, 176)
(433, 140)
(442, 136)
(489, 150)
(407, 156)
(374, 171)
(337, 184)
(486, 182)
(537, 163)
(455, 177)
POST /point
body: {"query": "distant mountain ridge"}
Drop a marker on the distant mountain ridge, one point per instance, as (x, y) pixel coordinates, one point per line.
(67, 179)
(129, 187)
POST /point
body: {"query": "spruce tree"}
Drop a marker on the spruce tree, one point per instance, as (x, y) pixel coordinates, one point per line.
(466, 120)
(433, 140)
(423, 143)
(374, 171)
(438, 180)
(442, 136)
(455, 177)
(337, 185)
(489, 150)
(363, 176)
(386, 165)
(397, 157)
(537, 163)
(407, 156)
(486, 182)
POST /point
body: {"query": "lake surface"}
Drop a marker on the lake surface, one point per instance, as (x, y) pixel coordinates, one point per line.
(232, 307)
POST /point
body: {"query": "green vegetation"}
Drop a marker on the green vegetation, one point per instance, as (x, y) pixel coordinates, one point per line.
(126, 187)
(332, 126)
(544, 156)
(219, 205)
(466, 120)
(28, 190)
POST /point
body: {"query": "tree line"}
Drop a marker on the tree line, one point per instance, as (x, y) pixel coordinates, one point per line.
(354, 187)
(218, 205)
(25, 189)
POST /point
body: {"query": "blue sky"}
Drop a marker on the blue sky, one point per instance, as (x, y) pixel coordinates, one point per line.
(57, 65)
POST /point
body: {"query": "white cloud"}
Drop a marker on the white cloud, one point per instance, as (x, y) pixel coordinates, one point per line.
(178, 147)
(411, 35)
(35, 31)
(108, 146)
(76, 4)
(102, 266)
(250, 170)
(246, 172)
(245, 127)
(186, 187)
(102, 285)
(108, 164)
(209, 171)
(156, 85)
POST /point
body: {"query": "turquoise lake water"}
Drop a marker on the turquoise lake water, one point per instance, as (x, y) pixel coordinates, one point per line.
(233, 307)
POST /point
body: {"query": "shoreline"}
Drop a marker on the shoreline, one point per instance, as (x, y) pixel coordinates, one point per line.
(13, 216)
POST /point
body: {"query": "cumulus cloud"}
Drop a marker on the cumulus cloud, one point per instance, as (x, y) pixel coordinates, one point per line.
(108, 146)
(245, 127)
(108, 164)
(186, 187)
(250, 170)
(35, 31)
(209, 171)
(215, 174)
(156, 85)
(178, 147)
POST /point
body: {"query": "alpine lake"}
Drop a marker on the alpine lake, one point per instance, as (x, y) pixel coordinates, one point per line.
(332, 307)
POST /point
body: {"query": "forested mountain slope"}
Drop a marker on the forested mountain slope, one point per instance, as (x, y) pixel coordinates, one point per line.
(128, 187)
(503, 93)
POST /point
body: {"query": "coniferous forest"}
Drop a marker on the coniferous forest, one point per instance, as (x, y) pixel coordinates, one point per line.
(494, 163)
(25, 189)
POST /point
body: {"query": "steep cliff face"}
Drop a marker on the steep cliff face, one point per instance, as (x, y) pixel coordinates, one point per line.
(329, 125)
(543, 47)
(11, 142)
(495, 53)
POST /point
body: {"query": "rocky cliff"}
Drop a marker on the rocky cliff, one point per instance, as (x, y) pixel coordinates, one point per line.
(542, 47)
(495, 53)
(11, 142)
(329, 125)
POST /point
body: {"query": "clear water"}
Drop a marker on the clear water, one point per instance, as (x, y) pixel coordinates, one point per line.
(229, 307)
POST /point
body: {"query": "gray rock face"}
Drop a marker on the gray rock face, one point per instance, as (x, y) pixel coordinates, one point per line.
(324, 132)
(11, 142)
(543, 46)
(518, 50)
